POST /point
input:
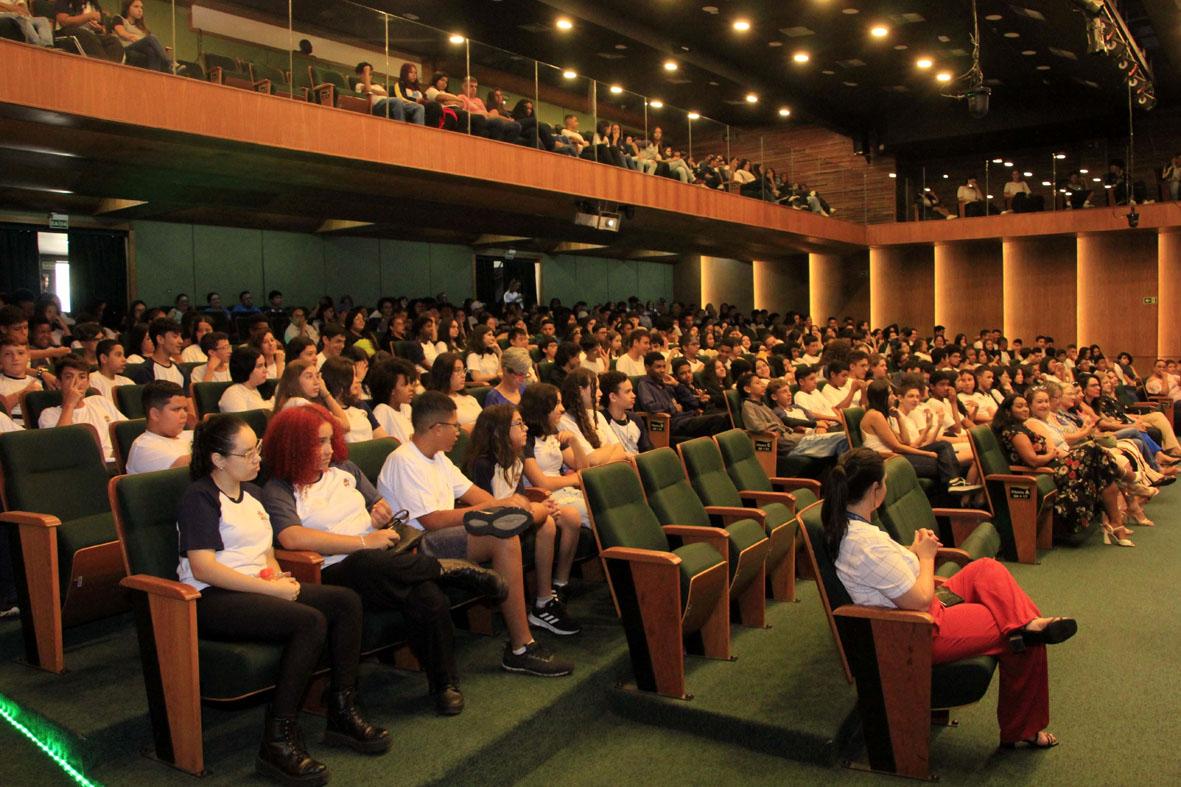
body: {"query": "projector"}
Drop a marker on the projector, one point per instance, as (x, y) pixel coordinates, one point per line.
(978, 101)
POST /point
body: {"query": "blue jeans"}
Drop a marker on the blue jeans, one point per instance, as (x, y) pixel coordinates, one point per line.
(36, 29)
(409, 111)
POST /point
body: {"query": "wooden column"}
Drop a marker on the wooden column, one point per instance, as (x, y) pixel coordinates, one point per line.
(839, 286)
(1039, 288)
(687, 280)
(902, 287)
(1168, 331)
(781, 285)
(725, 280)
(1116, 271)
(968, 286)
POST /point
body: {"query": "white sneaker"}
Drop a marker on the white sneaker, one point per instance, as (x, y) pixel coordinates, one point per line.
(12, 612)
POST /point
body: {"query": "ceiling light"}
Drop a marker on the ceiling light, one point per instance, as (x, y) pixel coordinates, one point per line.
(1043, 68)
(923, 63)
(850, 11)
(670, 65)
(879, 31)
(801, 57)
(456, 38)
(569, 73)
(742, 25)
(1045, 183)
(784, 112)
(563, 23)
(994, 17)
(998, 161)
(1012, 34)
(893, 174)
(1083, 171)
(1009, 164)
(774, 43)
(943, 76)
(1097, 180)
(656, 103)
(752, 98)
(946, 176)
(694, 116)
(616, 89)
(1059, 156)
(900, 47)
(988, 196)
(1027, 174)
(1029, 52)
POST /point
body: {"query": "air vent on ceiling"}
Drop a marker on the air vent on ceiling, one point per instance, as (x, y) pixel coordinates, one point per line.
(944, 40)
(611, 55)
(679, 81)
(1065, 53)
(958, 52)
(912, 18)
(797, 31)
(851, 63)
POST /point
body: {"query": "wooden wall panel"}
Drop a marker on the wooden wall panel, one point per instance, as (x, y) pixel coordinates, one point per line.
(687, 280)
(840, 286)
(968, 286)
(782, 285)
(1115, 272)
(1168, 330)
(727, 281)
(902, 286)
(1039, 288)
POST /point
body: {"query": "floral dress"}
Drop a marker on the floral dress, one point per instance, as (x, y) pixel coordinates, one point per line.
(1080, 477)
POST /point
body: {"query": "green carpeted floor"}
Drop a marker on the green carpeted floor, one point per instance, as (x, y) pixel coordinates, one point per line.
(1113, 702)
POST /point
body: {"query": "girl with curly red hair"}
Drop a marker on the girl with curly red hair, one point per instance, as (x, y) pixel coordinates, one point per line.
(318, 500)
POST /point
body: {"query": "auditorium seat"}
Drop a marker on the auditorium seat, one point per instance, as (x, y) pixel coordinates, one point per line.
(123, 434)
(674, 502)
(227, 71)
(1021, 503)
(332, 89)
(207, 395)
(670, 599)
(747, 471)
(271, 80)
(888, 651)
(775, 511)
(65, 558)
(852, 417)
(370, 455)
(34, 402)
(766, 444)
(129, 400)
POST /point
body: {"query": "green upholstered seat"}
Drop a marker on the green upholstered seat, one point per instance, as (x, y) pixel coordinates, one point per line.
(36, 401)
(695, 558)
(674, 502)
(233, 670)
(961, 682)
(123, 434)
(738, 455)
(457, 453)
(80, 533)
(370, 455)
(257, 420)
(1045, 485)
(853, 416)
(129, 400)
(207, 395)
(994, 462)
(381, 627)
(734, 405)
(711, 481)
(480, 392)
(146, 504)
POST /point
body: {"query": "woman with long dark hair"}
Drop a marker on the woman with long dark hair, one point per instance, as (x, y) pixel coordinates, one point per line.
(986, 613)
(448, 375)
(131, 28)
(225, 537)
(587, 426)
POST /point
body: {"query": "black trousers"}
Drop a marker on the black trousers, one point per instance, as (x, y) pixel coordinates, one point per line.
(940, 469)
(301, 627)
(406, 582)
(95, 44)
(699, 425)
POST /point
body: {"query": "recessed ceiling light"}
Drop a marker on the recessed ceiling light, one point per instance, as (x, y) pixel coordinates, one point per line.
(684, 49)
(774, 43)
(784, 112)
(849, 84)
(801, 57)
(563, 23)
(943, 76)
(893, 174)
(752, 98)
(997, 160)
(900, 47)
(1060, 156)
(456, 38)
(656, 103)
(570, 73)
(621, 47)
(1012, 34)
(850, 11)
(1045, 183)
(670, 65)
(1008, 163)
(742, 25)
(1097, 180)
(1029, 52)
(1083, 171)
(946, 176)
(1043, 68)
(879, 31)
(1027, 174)
(709, 9)
(944, 40)
(923, 63)
(994, 17)
(693, 116)
(411, 17)
(616, 89)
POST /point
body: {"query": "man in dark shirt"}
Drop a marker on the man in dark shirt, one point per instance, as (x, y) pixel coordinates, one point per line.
(693, 400)
(655, 394)
(83, 19)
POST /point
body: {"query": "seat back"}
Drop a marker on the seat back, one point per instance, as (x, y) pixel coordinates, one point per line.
(743, 466)
(34, 402)
(55, 471)
(370, 455)
(988, 450)
(403, 348)
(853, 416)
(618, 511)
(669, 493)
(257, 420)
(480, 392)
(834, 594)
(144, 506)
(704, 466)
(457, 453)
(207, 395)
(906, 508)
(991, 460)
(130, 400)
(123, 434)
(734, 406)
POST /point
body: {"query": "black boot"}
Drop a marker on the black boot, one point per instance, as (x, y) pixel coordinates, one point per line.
(284, 757)
(347, 728)
(475, 579)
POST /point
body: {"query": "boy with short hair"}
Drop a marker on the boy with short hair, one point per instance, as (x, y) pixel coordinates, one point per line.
(166, 443)
(111, 364)
(16, 378)
(79, 406)
(618, 399)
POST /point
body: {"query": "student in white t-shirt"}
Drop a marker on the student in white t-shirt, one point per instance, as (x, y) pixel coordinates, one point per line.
(301, 383)
(166, 344)
(419, 478)
(619, 400)
(216, 368)
(165, 443)
(248, 370)
(392, 383)
(111, 364)
(448, 375)
(16, 378)
(548, 450)
(812, 400)
(341, 382)
(586, 425)
(198, 329)
(77, 408)
(631, 362)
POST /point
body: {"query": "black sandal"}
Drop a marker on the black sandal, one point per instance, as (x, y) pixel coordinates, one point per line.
(503, 522)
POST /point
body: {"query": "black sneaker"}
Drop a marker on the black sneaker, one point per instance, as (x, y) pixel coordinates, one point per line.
(472, 578)
(553, 617)
(503, 522)
(536, 660)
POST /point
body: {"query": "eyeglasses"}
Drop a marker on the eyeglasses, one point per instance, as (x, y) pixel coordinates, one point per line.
(517, 424)
(251, 455)
(453, 424)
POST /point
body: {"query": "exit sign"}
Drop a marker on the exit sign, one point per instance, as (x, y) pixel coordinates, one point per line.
(1149, 300)
(59, 221)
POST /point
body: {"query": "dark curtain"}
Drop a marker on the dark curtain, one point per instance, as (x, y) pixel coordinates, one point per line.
(492, 280)
(98, 270)
(19, 263)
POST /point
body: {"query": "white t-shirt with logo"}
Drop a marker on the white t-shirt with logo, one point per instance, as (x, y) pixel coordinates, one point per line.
(98, 411)
(337, 503)
(421, 485)
(152, 451)
(238, 531)
(238, 398)
(11, 385)
(396, 423)
(107, 387)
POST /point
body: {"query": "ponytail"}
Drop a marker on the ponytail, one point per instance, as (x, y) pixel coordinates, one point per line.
(847, 482)
(215, 435)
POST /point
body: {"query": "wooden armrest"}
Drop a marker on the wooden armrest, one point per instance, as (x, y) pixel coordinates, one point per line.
(536, 494)
(215, 74)
(636, 555)
(883, 614)
(962, 513)
(789, 484)
(1024, 480)
(731, 513)
(759, 495)
(158, 586)
(263, 86)
(304, 565)
(1030, 470)
(325, 90)
(693, 531)
(957, 556)
(30, 519)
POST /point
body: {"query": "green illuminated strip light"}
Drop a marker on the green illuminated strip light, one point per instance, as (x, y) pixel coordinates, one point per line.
(55, 749)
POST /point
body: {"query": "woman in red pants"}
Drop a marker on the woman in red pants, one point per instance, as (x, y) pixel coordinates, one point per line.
(995, 618)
